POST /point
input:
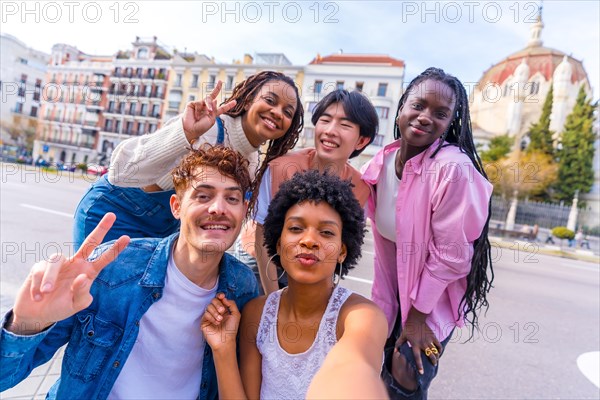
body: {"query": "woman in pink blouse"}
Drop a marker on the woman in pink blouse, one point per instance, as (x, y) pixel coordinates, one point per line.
(432, 261)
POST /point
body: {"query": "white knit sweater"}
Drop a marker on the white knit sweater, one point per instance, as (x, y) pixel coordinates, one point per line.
(146, 160)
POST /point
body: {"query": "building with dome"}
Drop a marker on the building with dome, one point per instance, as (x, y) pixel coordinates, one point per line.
(509, 96)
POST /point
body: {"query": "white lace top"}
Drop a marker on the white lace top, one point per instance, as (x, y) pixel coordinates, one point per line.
(284, 375)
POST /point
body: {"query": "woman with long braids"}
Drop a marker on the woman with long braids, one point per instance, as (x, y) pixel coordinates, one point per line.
(432, 261)
(265, 108)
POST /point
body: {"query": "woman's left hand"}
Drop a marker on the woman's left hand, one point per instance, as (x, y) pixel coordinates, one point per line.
(220, 323)
(421, 338)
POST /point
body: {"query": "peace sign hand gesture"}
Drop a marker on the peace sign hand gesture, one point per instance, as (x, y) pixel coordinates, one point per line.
(58, 288)
(199, 116)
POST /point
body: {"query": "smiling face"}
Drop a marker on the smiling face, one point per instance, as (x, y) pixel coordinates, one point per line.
(336, 137)
(211, 211)
(310, 245)
(426, 113)
(270, 114)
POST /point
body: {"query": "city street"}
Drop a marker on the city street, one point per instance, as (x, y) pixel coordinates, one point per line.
(544, 311)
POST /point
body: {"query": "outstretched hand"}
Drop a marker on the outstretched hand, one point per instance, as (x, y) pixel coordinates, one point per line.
(220, 323)
(199, 116)
(59, 287)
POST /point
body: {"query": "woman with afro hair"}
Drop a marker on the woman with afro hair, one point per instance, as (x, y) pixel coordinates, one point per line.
(314, 230)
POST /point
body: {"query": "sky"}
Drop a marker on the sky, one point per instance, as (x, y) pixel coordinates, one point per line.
(463, 37)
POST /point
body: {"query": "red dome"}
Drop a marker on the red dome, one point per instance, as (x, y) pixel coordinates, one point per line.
(539, 59)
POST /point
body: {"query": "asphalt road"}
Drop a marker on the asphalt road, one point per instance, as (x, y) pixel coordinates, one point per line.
(544, 311)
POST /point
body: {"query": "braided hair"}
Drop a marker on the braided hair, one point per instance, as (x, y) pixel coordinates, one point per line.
(460, 134)
(245, 93)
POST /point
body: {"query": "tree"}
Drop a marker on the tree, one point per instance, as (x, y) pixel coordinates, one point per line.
(499, 148)
(540, 135)
(576, 155)
(530, 174)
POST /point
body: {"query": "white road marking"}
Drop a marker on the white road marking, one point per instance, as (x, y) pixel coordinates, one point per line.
(589, 365)
(353, 278)
(62, 214)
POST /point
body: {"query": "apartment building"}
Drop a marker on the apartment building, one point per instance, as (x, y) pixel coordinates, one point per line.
(195, 75)
(71, 106)
(379, 77)
(22, 76)
(136, 97)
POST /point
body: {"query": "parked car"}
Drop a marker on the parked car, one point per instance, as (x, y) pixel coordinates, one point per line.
(96, 169)
(40, 162)
(66, 167)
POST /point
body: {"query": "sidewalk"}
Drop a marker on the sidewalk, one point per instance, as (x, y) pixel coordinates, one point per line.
(38, 383)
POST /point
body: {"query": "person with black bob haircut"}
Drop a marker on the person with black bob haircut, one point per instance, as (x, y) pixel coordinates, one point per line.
(314, 231)
(344, 124)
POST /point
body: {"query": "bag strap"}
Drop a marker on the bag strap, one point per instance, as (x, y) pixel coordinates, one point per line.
(221, 131)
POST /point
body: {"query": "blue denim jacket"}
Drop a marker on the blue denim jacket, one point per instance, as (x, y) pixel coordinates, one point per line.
(101, 337)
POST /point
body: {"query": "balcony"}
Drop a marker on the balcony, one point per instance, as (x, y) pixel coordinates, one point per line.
(94, 107)
(90, 130)
(73, 143)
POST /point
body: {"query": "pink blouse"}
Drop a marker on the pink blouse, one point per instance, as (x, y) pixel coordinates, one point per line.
(441, 209)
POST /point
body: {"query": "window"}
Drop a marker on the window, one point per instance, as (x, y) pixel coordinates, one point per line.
(117, 127)
(108, 125)
(178, 79)
(147, 90)
(339, 85)
(155, 110)
(378, 141)
(311, 106)
(111, 106)
(191, 97)
(132, 108)
(211, 81)
(195, 80)
(151, 128)
(121, 108)
(535, 88)
(359, 86)
(229, 84)
(318, 87)
(151, 73)
(34, 111)
(142, 53)
(382, 112)
(139, 72)
(382, 89)
(144, 110)
(128, 127)
(141, 127)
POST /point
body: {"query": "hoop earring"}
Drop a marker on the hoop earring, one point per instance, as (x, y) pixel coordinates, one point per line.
(339, 277)
(269, 262)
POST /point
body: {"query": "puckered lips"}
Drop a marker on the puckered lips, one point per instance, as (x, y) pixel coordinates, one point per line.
(307, 259)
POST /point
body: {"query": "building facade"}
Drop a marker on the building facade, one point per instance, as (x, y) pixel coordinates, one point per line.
(22, 77)
(72, 104)
(379, 77)
(510, 95)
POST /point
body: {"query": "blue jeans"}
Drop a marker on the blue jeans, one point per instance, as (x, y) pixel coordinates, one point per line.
(139, 214)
